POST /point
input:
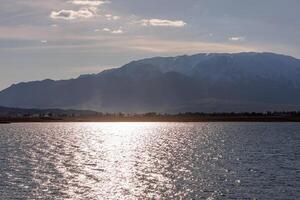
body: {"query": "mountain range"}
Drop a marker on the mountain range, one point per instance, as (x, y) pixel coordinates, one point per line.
(216, 82)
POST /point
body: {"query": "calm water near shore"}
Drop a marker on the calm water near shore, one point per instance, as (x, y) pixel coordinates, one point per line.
(150, 161)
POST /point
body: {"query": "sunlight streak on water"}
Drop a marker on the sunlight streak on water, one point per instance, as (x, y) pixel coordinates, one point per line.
(149, 161)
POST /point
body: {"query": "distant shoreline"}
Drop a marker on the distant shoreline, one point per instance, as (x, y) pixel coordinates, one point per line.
(152, 119)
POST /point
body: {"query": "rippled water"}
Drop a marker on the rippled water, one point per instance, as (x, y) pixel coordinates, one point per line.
(150, 161)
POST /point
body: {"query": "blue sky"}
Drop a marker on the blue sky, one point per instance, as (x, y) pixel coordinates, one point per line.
(61, 39)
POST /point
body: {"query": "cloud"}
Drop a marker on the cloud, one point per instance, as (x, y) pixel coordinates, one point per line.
(88, 2)
(106, 29)
(112, 17)
(237, 38)
(83, 13)
(87, 9)
(162, 46)
(117, 31)
(162, 22)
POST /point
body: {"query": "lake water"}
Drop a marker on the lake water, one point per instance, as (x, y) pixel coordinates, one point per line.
(150, 161)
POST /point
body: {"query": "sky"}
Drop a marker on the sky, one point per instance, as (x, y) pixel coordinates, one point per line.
(62, 39)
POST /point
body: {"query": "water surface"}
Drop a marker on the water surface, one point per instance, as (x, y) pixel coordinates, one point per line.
(150, 161)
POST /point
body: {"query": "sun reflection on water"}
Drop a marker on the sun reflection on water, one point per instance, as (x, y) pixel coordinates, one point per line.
(146, 160)
(128, 160)
(113, 152)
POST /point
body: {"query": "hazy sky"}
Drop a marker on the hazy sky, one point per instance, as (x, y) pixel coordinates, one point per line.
(61, 39)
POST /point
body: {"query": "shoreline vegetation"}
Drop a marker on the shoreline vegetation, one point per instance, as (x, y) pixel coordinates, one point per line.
(155, 117)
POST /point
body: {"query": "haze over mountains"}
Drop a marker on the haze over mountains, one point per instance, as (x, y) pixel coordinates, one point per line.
(198, 83)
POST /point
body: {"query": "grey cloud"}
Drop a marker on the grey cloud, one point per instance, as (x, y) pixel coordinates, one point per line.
(88, 2)
(83, 13)
(163, 22)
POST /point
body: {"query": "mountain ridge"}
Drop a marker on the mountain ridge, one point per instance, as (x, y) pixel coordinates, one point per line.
(212, 82)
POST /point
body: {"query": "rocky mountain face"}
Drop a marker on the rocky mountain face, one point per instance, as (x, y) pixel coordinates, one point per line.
(197, 83)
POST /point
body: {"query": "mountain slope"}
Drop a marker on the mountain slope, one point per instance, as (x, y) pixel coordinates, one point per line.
(21, 112)
(202, 82)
